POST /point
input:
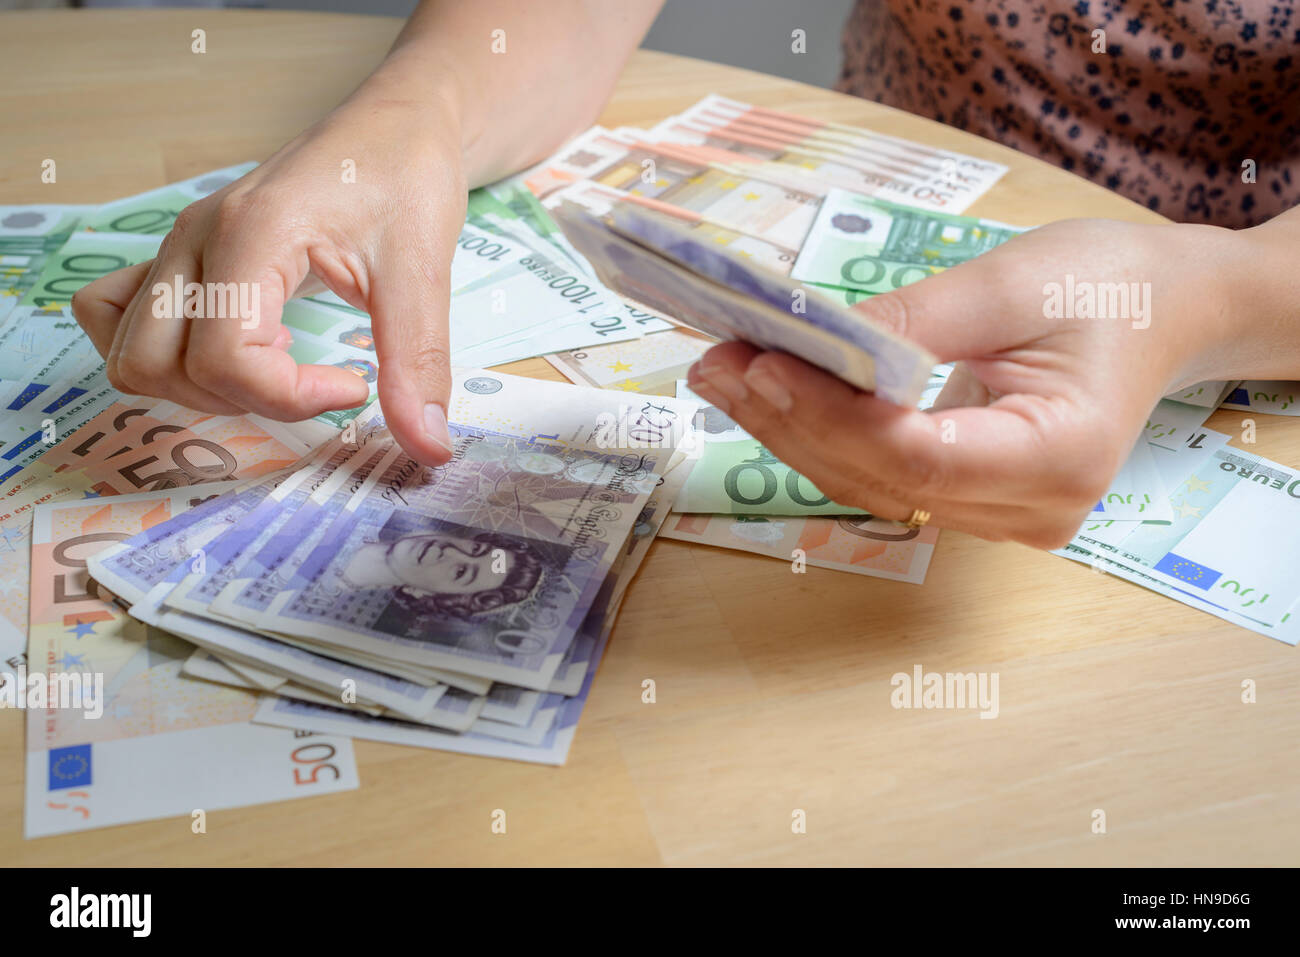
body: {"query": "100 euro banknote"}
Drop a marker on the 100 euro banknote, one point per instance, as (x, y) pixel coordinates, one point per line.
(872, 246)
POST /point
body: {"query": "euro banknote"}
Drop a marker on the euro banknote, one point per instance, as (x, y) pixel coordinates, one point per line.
(751, 143)
(1223, 510)
(85, 257)
(1137, 490)
(652, 364)
(162, 744)
(154, 212)
(742, 477)
(1208, 395)
(29, 235)
(853, 157)
(1095, 544)
(872, 246)
(1103, 562)
(1271, 396)
(167, 454)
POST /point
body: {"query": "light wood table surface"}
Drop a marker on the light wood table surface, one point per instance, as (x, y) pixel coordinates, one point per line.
(773, 688)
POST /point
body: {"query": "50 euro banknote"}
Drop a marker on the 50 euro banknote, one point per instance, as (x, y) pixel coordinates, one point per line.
(162, 744)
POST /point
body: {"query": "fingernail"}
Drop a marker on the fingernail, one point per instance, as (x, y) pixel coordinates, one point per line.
(435, 423)
(726, 383)
(711, 396)
(765, 384)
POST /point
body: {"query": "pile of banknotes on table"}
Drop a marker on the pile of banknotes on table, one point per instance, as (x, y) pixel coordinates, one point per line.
(254, 595)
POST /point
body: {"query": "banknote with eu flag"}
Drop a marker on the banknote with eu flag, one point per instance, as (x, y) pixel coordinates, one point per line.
(147, 743)
(1234, 539)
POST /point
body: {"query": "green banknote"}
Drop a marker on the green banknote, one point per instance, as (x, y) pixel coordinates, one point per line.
(29, 236)
(154, 212)
(85, 257)
(508, 209)
(871, 246)
(742, 477)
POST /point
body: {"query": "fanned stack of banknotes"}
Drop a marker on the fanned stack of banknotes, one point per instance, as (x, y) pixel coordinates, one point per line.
(254, 595)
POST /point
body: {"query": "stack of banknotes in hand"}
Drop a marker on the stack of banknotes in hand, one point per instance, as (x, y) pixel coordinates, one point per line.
(750, 223)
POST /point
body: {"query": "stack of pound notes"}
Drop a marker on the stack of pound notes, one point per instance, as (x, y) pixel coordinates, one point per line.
(463, 608)
(652, 257)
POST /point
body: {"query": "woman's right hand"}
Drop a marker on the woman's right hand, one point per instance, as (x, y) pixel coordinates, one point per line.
(1043, 408)
(295, 225)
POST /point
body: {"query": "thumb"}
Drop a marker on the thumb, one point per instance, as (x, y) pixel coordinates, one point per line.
(961, 313)
(962, 390)
(408, 308)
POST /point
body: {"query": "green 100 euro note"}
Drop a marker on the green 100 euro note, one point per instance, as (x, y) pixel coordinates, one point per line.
(742, 477)
(871, 246)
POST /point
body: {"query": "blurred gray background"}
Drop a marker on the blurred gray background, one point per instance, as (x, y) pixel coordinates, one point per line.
(755, 34)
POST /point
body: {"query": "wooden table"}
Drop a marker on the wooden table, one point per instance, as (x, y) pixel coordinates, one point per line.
(773, 688)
